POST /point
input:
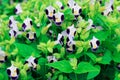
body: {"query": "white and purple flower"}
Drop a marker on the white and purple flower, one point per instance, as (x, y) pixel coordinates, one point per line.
(95, 43)
(50, 11)
(76, 10)
(60, 4)
(32, 62)
(12, 22)
(3, 56)
(70, 44)
(31, 36)
(18, 9)
(27, 24)
(51, 59)
(91, 25)
(13, 72)
(71, 3)
(58, 18)
(108, 8)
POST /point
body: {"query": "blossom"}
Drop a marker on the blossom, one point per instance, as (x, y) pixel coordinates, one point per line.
(18, 9)
(95, 43)
(31, 62)
(13, 72)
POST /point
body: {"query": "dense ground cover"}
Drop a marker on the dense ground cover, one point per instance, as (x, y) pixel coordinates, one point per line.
(60, 40)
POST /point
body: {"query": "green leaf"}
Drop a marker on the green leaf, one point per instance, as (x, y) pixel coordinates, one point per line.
(116, 57)
(50, 49)
(60, 77)
(23, 74)
(93, 74)
(79, 50)
(42, 61)
(106, 59)
(57, 55)
(85, 35)
(68, 12)
(24, 50)
(63, 66)
(117, 76)
(1, 76)
(50, 46)
(84, 67)
(92, 56)
(101, 35)
(62, 52)
(73, 62)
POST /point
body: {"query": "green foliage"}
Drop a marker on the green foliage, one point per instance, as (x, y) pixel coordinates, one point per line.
(83, 63)
(63, 66)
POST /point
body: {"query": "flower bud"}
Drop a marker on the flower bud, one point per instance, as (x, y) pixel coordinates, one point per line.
(45, 29)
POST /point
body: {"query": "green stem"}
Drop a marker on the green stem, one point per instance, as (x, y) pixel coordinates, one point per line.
(45, 65)
(85, 57)
(76, 76)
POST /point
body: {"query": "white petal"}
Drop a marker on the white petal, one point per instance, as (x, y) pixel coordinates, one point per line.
(59, 3)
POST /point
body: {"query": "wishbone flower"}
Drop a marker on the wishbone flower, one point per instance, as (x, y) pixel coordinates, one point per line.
(50, 32)
(108, 8)
(70, 40)
(60, 39)
(107, 11)
(11, 19)
(3, 56)
(69, 33)
(13, 72)
(12, 22)
(64, 33)
(70, 44)
(58, 18)
(50, 11)
(90, 26)
(118, 8)
(31, 36)
(95, 43)
(109, 4)
(71, 3)
(14, 32)
(18, 9)
(71, 30)
(76, 10)
(32, 62)
(27, 24)
(60, 4)
(51, 59)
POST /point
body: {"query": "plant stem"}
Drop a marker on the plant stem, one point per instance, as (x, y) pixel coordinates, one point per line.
(45, 64)
(76, 76)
